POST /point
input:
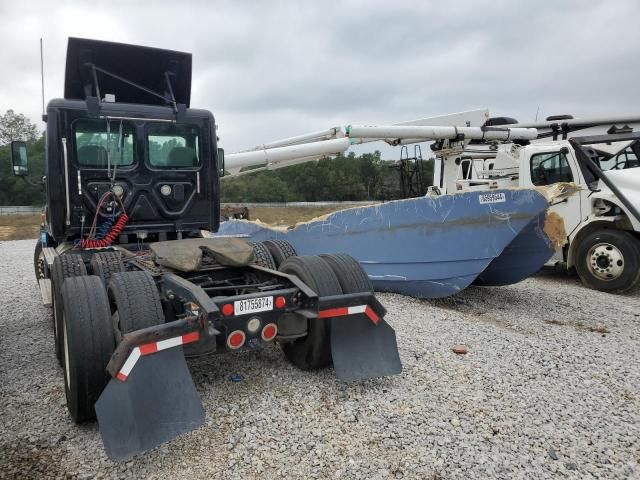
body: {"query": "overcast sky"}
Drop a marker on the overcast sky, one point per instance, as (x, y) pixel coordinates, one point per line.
(274, 69)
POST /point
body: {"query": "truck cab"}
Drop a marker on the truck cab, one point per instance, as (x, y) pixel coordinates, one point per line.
(164, 171)
(110, 134)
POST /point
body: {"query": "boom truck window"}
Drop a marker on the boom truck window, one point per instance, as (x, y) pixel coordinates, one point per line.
(173, 146)
(97, 140)
(551, 167)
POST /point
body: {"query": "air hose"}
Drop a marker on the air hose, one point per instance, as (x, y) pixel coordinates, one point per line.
(109, 237)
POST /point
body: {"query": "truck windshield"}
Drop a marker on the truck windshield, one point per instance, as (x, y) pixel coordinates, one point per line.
(627, 158)
(173, 146)
(95, 140)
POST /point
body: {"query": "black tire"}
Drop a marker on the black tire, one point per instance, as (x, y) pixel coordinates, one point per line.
(314, 350)
(263, 256)
(105, 264)
(280, 250)
(135, 302)
(88, 343)
(601, 255)
(351, 275)
(65, 266)
(39, 266)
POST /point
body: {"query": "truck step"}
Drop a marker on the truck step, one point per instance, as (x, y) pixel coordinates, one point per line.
(45, 291)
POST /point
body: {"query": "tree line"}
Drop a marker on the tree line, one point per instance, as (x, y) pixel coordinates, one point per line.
(348, 177)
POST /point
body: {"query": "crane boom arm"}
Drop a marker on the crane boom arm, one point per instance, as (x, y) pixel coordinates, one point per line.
(333, 141)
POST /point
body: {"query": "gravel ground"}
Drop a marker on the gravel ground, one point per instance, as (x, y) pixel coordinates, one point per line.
(550, 388)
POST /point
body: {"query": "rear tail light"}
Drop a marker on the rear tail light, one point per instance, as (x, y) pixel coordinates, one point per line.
(236, 339)
(227, 309)
(269, 332)
(280, 302)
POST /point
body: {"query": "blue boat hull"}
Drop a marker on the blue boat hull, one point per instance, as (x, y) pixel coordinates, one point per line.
(424, 247)
(523, 257)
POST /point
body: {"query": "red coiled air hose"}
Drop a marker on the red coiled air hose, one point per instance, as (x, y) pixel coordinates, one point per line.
(109, 237)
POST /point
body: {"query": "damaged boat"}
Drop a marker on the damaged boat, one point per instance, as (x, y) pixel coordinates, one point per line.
(429, 246)
(432, 246)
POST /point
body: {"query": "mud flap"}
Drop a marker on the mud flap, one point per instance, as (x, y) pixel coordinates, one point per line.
(157, 402)
(362, 349)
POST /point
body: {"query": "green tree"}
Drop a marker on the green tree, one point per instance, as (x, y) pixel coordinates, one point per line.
(16, 190)
(15, 126)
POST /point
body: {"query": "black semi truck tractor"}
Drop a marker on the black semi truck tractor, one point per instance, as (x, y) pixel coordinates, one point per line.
(135, 280)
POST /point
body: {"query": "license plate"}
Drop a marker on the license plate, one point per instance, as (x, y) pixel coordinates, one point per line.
(253, 305)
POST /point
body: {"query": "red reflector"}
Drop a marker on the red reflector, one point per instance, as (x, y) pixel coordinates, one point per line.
(227, 309)
(333, 312)
(190, 337)
(269, 332)
(236, 339)
(148, 348)
(280, 302)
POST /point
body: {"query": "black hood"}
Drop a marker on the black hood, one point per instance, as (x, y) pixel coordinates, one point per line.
(143, 66)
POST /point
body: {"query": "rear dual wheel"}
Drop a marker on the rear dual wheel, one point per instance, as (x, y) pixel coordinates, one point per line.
(134, 302)
(105, 264)
(314, 350)
(93, 322)
(39, 266)
(328, 274)
(263, 256)
(280, 250)
(87, 343)
(67, 265)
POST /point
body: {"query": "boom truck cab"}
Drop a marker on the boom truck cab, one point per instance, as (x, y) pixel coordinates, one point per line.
(132, 181)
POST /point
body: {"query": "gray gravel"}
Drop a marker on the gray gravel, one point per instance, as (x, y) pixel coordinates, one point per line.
(550, 388)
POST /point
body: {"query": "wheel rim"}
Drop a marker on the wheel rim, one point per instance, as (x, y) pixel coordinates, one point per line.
(605, 261)
(66, 352)
(41, 270)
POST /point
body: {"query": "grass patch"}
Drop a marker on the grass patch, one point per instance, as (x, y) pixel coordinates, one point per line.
(19, 227)
(289, 216)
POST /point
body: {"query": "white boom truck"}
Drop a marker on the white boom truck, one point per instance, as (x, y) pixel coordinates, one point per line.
(601, 221)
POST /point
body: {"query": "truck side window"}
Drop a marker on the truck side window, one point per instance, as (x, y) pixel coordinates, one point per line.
(93, 142)
(173, 146)
(551, 167)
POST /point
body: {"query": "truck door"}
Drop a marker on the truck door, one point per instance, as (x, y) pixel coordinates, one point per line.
(548, 165)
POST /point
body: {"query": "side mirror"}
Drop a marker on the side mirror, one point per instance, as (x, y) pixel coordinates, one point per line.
(221, 162)
(19, 158)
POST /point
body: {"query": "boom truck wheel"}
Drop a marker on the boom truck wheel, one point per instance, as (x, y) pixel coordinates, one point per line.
(64, 266)
(609, 261)
(313, 351)
(87, 343)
